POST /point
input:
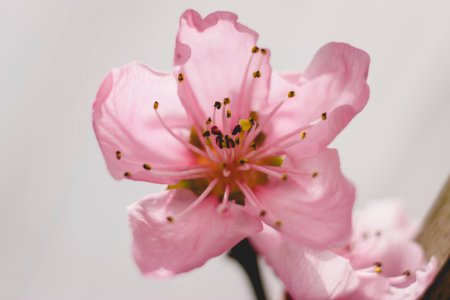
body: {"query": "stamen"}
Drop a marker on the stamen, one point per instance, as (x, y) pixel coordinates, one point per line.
(118, 154)
(291, 94)
(262, 213)
(315, 174)
(407, 273)
(180, 77)
(247, 193)
(228, 113)
(127, 174)
(147, 167)
(237, 129)
(208, 121)
(263, 51)
(199, 200)
(206, 133)
(303, 134)
(155, 105)
(255, 49)
(217, 105)
(215, 130)
(267, 171)
(175, 136)
(226, 195)
(324, 116)
(278, 223)
(226, 101)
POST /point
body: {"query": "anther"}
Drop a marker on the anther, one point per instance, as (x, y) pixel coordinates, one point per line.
(226, 101)
(170, 219)
(253, 145)
(377, 264)
(324, 116)
(245, 124)
(219, 141)
(263, 51)
(315, 174)
(303, 135)
(251, 120)
(378, 233)
(257, 74)
(228, 113)
(278, 223)
(180, 77)
(229, 142)
(237, 129)
(291, 94)
(407, 273)
(255, 49)
(243, 161)
(208, 121)
(118, 154)
(262, 213)
(284, 177)
(237, 140)
(127, 174)
(206, 133)
(215, 130)
(155, 105)
(217, 105)
(147, 167)
(378, 270)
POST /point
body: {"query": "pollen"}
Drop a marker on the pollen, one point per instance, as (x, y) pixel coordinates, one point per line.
(315, 174)
(180, 77)
(284, 177)
(324, 116)
(155, 105)
(118, 154)
(228, 113)
(226, 101)
(245, 124)
(237, 129)
(303, 135)
(257, 74)
(208, 121)
(263, 51)
(291, 94)
(255, 49)
(262, 213)
(147, 167)
(378, 270)
(217, 105)
(278, 223)
(170, 219)
(127, 174)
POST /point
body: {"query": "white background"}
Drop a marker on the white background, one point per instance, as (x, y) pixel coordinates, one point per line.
(63, 225)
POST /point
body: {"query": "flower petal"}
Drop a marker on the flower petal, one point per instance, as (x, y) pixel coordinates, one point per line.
(128, 130)
(334, 83)
(314, 205)
(215, 56)
(162, 248)
(306, 273)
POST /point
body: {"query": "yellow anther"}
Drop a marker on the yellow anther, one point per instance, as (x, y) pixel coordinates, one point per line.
(147, 167)
(226, 101)
(324, 116)
(118, 154)
(180, 77)
(170, 219)
(278, 223)
(155, 105)
(245, 124)
(291, 94)
(315, 174)
(303, 135)
(257, 74)
(378, 270)
(228, 113)
(255, 49)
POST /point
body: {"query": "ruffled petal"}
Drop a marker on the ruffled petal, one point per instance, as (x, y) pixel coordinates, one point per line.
(313, 207)
(215, 57)
(334, 84)
(306, 273)
(128, 130)
(162, 248)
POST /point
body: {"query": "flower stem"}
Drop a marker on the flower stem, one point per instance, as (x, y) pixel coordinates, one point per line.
(246, 256)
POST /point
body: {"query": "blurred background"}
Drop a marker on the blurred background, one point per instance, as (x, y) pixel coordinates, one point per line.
(63, 224)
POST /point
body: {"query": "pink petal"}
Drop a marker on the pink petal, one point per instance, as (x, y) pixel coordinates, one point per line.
(334, 83)
(215, 56)
(162, 248)
(306, 273)
(128, 130)
(314, 211)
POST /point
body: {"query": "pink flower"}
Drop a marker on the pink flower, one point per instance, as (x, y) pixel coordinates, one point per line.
(237, 144)
(381, 261)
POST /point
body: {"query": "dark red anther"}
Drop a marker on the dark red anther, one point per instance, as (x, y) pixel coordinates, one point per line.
(215, 130)
(206, 133)
(217, 105)
(237, 129)
(219, 141)
(229, 142)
